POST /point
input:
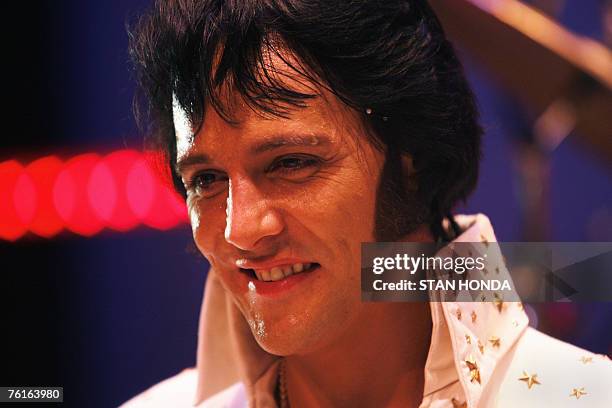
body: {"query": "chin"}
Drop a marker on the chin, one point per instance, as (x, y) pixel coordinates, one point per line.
(286, 339)
(300, 339)
(276, 349)
(275, 340)
(301, 328)
(278, 346)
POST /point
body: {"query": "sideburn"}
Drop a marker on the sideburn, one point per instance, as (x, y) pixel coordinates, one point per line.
(398, 208)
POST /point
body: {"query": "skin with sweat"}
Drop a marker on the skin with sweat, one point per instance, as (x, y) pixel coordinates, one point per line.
(304, 188)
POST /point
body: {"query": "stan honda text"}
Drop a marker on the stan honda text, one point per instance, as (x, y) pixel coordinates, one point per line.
(434, 284)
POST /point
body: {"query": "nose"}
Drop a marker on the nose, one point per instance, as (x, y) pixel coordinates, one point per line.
(250, 217)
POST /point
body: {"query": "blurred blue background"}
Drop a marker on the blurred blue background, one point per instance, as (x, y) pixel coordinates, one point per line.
(108, 316)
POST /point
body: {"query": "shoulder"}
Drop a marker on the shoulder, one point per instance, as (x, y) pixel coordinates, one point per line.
(177, 391)
(548, 372)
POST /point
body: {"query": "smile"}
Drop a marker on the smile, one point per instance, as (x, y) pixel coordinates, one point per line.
(278, 273)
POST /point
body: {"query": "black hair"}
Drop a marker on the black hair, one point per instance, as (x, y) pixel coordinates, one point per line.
(388, 59)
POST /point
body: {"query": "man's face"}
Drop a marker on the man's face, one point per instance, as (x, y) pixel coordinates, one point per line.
(274, 194)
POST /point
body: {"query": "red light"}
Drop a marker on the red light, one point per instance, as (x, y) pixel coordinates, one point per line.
(43, 172)
(11, 225)
(169, 208)
(25, 199)
(88, 193)
(163, 214)
(150, 198)
(140, 188)
(112, 171)
(71, 196)
(102, 191)
(177, 204)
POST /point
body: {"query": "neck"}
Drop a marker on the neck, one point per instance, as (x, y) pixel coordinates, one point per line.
(378, 361)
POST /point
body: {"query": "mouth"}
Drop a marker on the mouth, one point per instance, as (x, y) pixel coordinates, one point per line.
(279, 273)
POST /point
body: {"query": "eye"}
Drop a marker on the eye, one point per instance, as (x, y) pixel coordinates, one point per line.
(293, 164)
(206, 183)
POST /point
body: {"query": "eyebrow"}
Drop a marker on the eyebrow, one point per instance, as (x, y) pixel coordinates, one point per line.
(275, 142)
(191, 160)
(270, 143)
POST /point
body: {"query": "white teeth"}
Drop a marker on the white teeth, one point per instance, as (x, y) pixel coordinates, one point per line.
(277, 273)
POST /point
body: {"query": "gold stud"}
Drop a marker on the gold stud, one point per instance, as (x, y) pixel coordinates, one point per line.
(474, 370)
(530, 380)
(458, 314)
(480, 347)
(578, 392)
(494, 340)
(474, 316)
(499, 302)
(468, 339)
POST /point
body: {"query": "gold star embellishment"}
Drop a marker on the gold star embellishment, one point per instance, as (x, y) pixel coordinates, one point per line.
(457, 404)
(578, 392)
(499, 302)
(480, 347)
(474, 370)
(474, 316)
(468, 339)
(494, 340)
(458, 314)
(586, 360)
(530, 380)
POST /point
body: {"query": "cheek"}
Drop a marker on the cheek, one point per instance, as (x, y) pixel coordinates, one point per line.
(346, 208)
(207, 223)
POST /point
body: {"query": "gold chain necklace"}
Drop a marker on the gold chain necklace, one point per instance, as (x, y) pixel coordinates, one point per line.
(282, 385)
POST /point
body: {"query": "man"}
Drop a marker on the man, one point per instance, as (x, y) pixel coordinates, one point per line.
(298, 130)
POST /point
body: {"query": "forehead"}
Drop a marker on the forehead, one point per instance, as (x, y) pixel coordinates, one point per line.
(320, 116)
(323, 114)
(319, 122)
